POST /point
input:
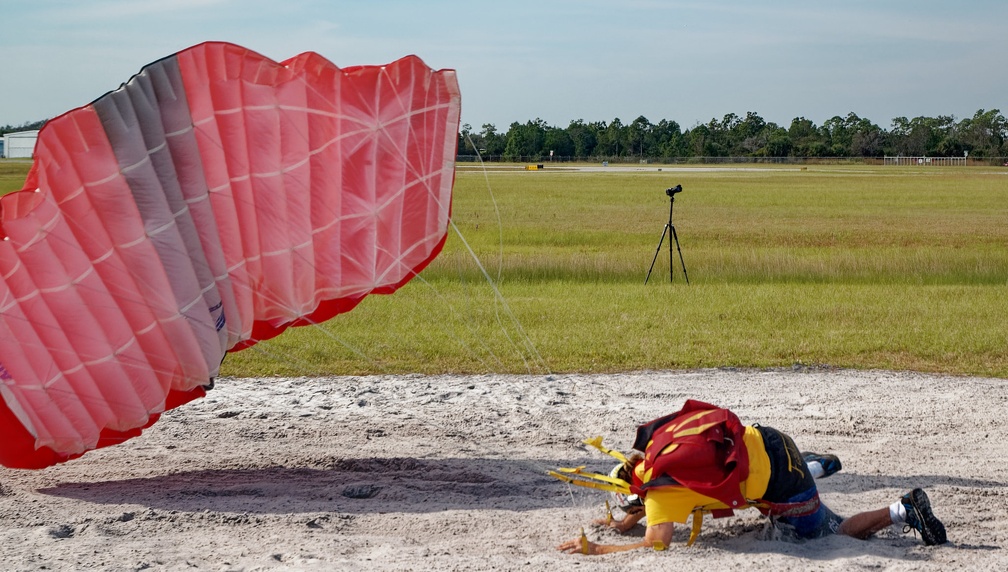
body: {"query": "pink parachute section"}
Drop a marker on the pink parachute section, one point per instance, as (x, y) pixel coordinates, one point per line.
(214, 200)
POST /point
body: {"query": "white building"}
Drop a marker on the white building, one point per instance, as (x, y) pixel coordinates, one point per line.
(20, 145)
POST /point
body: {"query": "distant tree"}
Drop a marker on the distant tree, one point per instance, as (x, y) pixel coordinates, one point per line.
(751, 126)
(919, 136)
(670, 140)
(836, 135)
(610, 139)
(750, 135)
(468, 142)
(493, 142)
(638, 136)
(865, 138)
(559, 142)
(984, 134)
(868, 143)
(583, 137)
(615, 133)
(525, 141)
(29, 126)
(778, 144)
(951, 142)
(722, 134)
(815, 149)
(802, 128)
(805, 138)
(699, 137)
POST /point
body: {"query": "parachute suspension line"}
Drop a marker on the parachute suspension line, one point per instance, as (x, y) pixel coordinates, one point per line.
(306, 366)
(528, 355)
(527, 350)
(527, 347)
(462, 343)
(500, 266)
(493, 199)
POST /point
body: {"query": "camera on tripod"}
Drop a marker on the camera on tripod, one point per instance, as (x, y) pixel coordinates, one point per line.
(671, 192)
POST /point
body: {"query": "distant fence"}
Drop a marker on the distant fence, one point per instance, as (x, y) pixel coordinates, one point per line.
(923, 161)
(667, 160)
(926, 161)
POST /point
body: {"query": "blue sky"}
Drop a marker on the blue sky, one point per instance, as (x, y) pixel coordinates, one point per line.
(561, 60)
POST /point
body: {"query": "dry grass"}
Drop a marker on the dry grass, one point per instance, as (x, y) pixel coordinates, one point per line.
(852, 267)
(863, 267)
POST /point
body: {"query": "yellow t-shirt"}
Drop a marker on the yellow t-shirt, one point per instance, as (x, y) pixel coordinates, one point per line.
(676, 503)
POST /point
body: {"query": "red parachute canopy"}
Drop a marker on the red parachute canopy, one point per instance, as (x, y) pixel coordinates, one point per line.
(212, 201)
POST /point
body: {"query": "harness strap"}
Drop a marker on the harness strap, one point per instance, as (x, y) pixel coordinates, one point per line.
(578, 476)
(779, 509)
(697, 523)
(791, 509)
(699, 512)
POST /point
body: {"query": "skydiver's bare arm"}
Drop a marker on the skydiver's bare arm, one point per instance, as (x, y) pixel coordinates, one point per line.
(658, 536)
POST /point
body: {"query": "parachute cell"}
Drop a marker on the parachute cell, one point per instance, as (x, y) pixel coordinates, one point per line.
(212, 201)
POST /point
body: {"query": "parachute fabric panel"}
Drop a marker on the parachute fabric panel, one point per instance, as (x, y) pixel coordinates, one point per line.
(212, 201)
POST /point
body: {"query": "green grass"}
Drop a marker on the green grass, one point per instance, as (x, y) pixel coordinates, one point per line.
(593, 327)
(12, 174)
(861, 225)
(861, 267)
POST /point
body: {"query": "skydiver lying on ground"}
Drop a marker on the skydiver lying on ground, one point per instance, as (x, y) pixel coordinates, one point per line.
(702, 459)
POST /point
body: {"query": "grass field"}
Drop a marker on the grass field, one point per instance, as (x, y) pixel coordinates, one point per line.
(854, 266)
(12, 174)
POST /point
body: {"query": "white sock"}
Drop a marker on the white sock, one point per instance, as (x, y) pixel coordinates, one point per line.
(815, 467)
(897, 512)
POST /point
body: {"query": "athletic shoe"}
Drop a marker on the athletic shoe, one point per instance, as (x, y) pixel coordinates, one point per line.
(830, 463)
(920, 518)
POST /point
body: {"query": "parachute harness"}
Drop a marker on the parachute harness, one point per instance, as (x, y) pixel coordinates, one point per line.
(578, 476)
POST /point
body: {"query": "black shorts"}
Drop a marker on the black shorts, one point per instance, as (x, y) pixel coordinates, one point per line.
(791, 482)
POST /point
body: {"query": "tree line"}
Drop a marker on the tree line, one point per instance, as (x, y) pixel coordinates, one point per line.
(983, 136)
(31, 125)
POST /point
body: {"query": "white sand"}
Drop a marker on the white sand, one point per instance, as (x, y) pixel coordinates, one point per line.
(447, 473)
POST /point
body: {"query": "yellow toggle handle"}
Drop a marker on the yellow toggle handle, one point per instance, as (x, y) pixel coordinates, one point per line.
(597, 443)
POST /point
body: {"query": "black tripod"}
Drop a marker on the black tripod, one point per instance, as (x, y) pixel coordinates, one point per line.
(671, 193)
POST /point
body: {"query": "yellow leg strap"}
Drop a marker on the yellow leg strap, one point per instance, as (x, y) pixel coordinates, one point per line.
(697, 523)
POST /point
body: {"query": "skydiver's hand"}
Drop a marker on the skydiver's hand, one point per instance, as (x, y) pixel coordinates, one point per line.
(580, 545)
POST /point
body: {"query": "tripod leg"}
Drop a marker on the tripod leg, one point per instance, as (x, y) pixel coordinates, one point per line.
(681, 261)
(670, 265)
(657, 250)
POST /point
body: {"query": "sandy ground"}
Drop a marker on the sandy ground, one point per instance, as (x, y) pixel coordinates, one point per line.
(448, 473)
